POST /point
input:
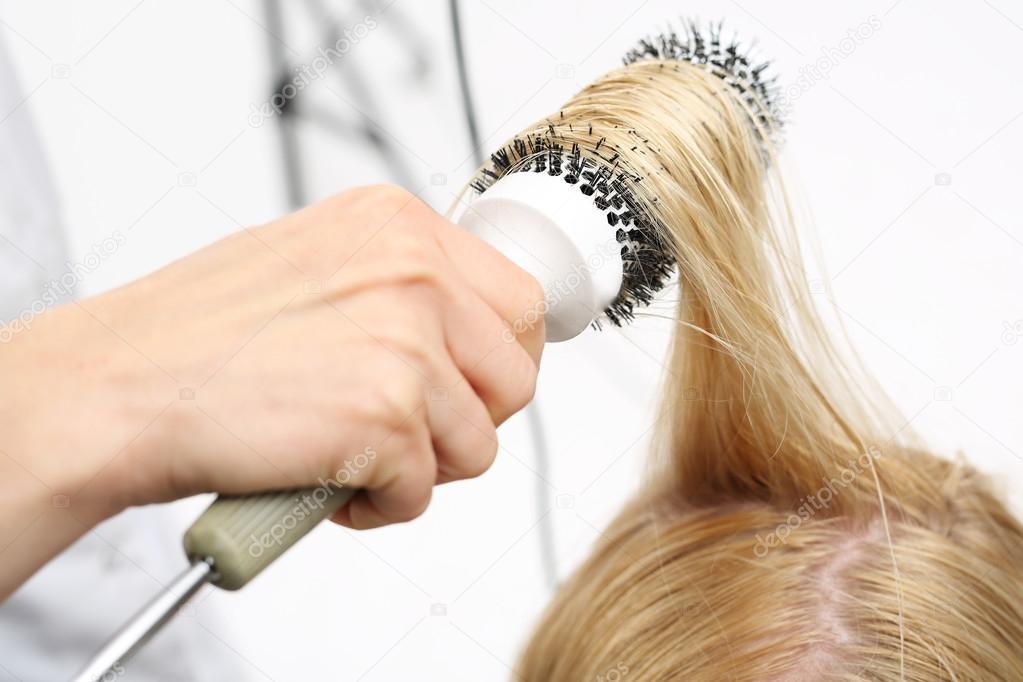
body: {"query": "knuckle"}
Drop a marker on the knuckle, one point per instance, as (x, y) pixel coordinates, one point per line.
(484, 453)
(394, 397)
(416, 348)
(402, 397)
(418, 264)
(413, 252)
(533, 306)
(416, 506)
(419, 468)
(523, 386)
(528, 307)
(374, 204)
(385, 195)
(532, 290)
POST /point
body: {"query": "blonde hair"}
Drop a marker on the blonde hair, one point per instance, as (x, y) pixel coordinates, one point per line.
(791, 530)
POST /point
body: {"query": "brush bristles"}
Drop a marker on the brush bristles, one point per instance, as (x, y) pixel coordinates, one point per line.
(594, 169)
(726, 60)
(596, 166)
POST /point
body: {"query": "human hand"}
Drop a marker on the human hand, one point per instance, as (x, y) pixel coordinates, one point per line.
(366, 323)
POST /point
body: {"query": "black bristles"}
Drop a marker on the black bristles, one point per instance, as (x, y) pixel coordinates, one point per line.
(724, 60)
(647, 265)
(600, 171)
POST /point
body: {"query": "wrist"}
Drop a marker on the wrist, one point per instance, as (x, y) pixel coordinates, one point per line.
(68, 407)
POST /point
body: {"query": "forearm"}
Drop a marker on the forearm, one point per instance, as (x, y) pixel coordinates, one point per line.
(36, 524)
(55, 444)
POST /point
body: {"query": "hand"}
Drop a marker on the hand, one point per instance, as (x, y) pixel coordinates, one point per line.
(363, 325)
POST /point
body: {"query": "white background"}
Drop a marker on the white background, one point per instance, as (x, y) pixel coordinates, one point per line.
(906, 157)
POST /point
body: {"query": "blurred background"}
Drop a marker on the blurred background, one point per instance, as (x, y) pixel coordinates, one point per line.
(162, 131)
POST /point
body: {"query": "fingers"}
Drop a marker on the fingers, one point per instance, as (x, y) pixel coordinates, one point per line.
(399, 469)
(400, 487)
(474, 332)
(498, 368)
(491, 315)
(463, 433)
(494, 327)
(449, 435)
(510, 291)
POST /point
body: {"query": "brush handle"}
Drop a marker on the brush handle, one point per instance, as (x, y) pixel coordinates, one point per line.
(243, 534)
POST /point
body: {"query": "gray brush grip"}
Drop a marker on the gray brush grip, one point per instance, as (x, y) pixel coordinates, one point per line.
(244, 534)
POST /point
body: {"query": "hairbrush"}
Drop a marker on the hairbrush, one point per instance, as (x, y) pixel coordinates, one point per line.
(566, 208)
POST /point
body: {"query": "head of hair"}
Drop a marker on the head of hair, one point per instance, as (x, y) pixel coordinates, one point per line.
(792, 528)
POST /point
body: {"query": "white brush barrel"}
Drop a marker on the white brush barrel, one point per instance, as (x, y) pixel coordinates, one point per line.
(550, 229)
